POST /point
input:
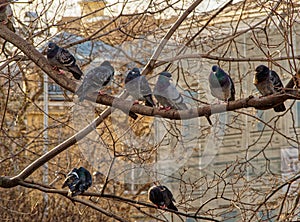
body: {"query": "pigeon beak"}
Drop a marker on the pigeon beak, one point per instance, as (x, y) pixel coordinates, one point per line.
(255, 80)
(69, 193)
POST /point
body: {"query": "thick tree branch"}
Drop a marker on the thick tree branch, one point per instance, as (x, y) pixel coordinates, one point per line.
(7, 182)
(41, 61)
(262, 103)
(49, 189)
(37, 58)
(74, 199)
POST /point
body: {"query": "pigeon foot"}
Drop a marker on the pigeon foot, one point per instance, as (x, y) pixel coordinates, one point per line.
(101, 93)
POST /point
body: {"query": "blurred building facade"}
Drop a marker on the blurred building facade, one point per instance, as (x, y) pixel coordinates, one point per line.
(261, 142)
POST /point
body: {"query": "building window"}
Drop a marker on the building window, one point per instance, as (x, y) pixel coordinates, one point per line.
(55, 92)
(53, 88)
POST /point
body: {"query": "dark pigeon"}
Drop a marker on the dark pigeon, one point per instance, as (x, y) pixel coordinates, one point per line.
(138, 87)
(267, 83)
(162, 197)
(167, 94)
(62, 59)
(78, 181)
(221, 84)
(96, 79)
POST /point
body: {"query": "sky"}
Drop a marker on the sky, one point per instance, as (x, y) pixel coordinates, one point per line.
(72, 7)
(139, 5)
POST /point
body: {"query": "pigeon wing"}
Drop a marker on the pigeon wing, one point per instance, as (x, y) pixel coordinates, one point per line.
(275, 79)
(65, 58)
(175, 98)
(232, 90)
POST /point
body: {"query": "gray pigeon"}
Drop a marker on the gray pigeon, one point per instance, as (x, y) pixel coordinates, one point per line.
(95, 79)
(6, 15)
(268, 82)
(78, 181)
(162, 197)
(167, 94)
(138, 87)
(62, 59)
(221, 85)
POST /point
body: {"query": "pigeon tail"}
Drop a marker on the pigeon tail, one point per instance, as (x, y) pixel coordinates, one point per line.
(280, 108)
(172, 206)
(149, 101)
(232, 98)
(80, 93)
(208, 120)
(77, 73)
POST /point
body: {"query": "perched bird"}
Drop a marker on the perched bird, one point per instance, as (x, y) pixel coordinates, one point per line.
(268, 82)
(162, 197)
(6, 15)
(62, 59)
(221, 85)
(96, 79)
(138, 87)
(78, 181)
(167, 94)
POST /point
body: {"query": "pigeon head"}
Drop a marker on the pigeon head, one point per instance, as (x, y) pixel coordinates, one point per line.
(166, 74)
(219, 76)
(52, 49)
(109, 66)
(136, 71)
(52, 46)
(262, 69)
(163, 81)
(106, 63)
(214, 68)
(155, 196)
(132, 74)
(71, 181)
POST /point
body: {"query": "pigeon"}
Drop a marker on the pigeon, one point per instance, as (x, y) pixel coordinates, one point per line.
(162, 197)
(78, 181)
(6, 15)
(268, 82)
(221, 85)
(167, 94)
(95, 79)
(138, 87)
(62, 59)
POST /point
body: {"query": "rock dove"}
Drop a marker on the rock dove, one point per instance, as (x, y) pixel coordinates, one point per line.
(268, 82)
(167, 94)
(95, 79)
(138, 87)
(221, 85)
(6, 14)
(62, 59)
(78, 181)
(162, 197)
